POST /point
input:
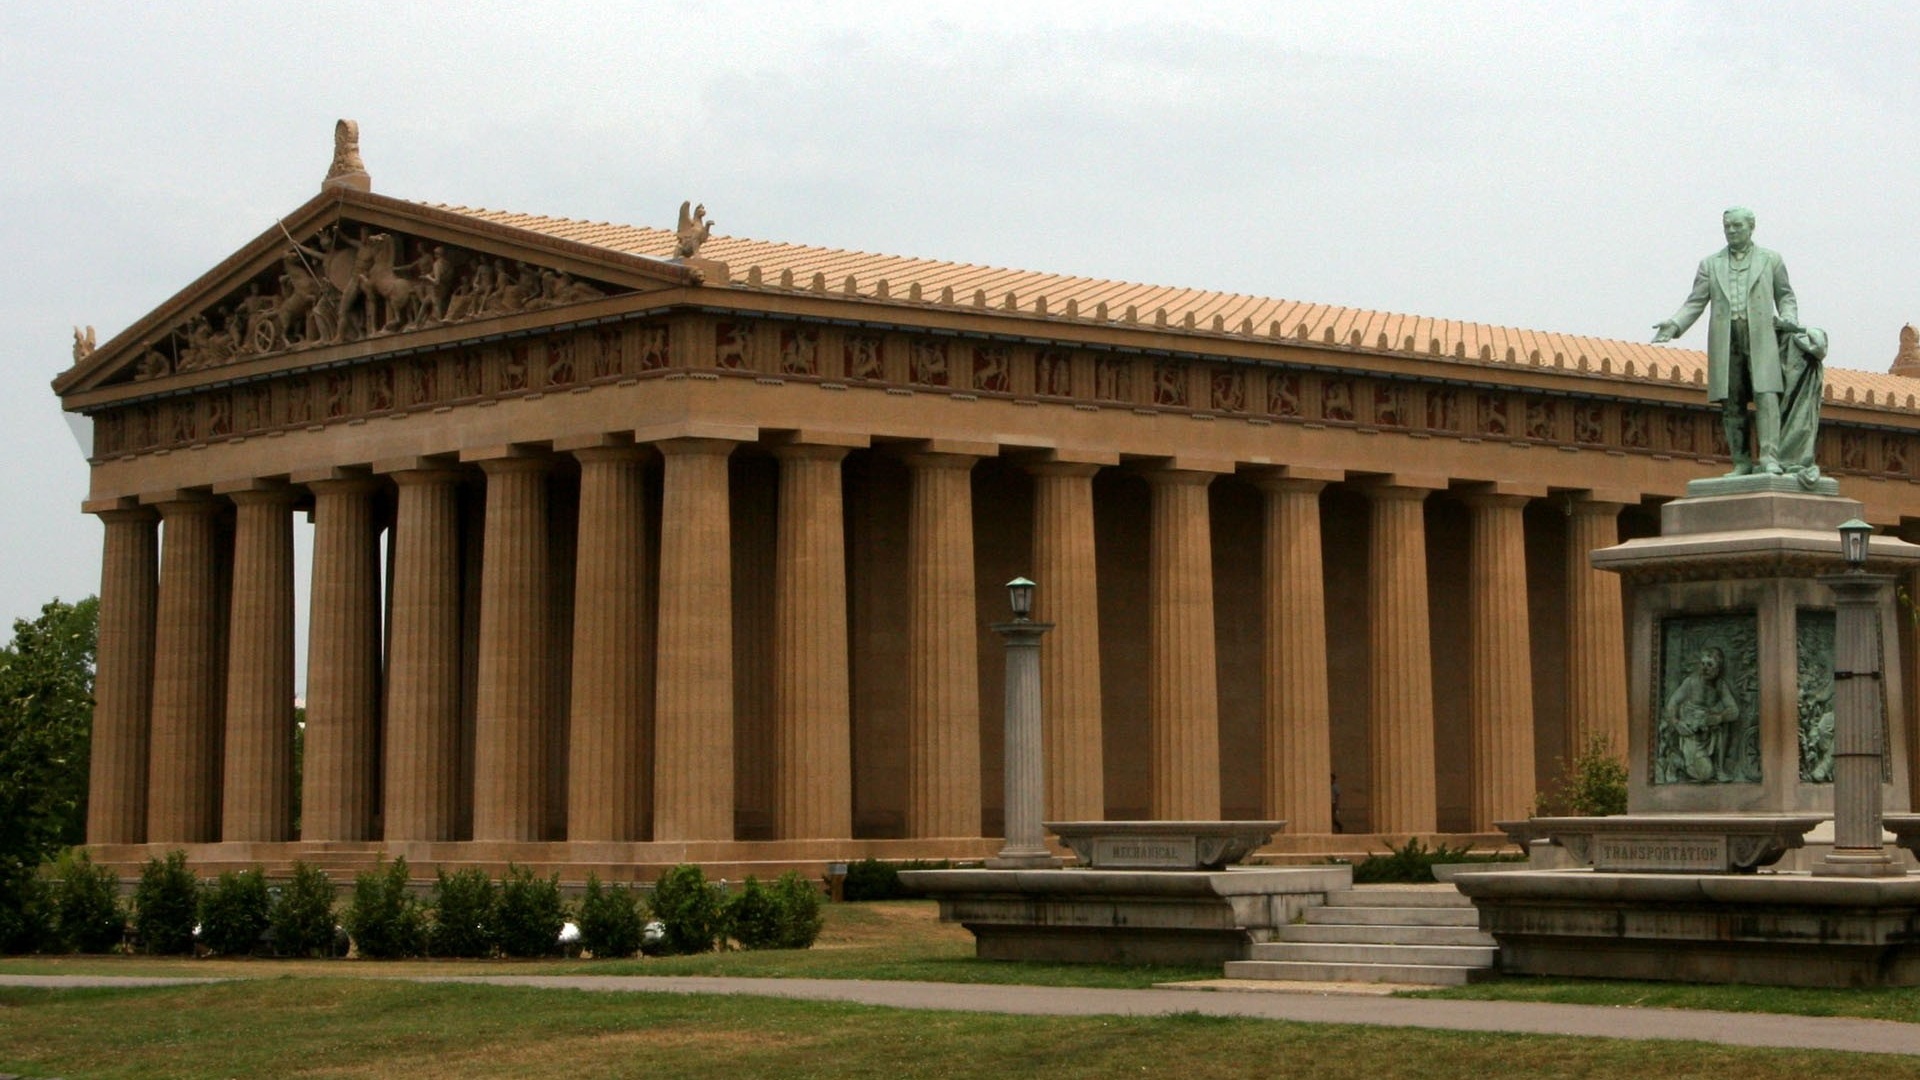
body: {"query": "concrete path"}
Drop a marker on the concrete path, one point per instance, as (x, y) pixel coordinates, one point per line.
(1734, 1029)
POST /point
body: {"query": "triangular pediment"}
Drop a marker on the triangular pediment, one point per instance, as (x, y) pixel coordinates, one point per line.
(350, 271)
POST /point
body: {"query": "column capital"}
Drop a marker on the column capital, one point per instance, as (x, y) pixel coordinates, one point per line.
(427, 475)
(1282, 484)
(1393, 492)
(174, 503)
(1063, 468)
(691, 447)
(345, 485)
(123, 509)
(509, 466)
(1494, 500)
(279, 494)
(924, 459)
(610, 452)
(1173, 477)
(1597, 500)
(805, 451)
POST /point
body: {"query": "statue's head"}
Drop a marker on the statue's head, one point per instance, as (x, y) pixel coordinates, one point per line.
(1712, 661)
(1737, 222)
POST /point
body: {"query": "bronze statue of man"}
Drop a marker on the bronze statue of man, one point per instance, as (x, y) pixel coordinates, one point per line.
(1752, 306)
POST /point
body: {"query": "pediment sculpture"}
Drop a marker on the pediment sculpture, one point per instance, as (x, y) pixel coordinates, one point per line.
(349, 282)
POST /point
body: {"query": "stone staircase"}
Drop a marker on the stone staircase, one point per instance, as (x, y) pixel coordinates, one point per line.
(1419, 934)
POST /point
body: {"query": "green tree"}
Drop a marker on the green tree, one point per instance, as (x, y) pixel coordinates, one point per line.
(46, 719)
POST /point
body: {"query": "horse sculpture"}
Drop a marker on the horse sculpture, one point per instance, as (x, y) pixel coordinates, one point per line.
(404, 297)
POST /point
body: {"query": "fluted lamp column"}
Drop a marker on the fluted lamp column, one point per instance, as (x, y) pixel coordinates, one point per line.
(1858, 746)
(1024, 766)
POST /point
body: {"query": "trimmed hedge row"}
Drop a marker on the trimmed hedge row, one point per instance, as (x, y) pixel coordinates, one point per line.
(78, 909)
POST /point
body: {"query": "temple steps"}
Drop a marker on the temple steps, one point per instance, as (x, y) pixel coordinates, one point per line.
(1422, 935)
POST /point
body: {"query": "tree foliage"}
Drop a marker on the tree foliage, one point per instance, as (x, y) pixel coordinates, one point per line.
(46, 717)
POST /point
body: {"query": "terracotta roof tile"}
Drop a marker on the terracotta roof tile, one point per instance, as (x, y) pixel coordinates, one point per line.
(1473, 343)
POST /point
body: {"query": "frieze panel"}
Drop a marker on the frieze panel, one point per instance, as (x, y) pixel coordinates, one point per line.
(1542, 420)
(799, 350)
(1389, 404)
(1283, 393)
(1170, 383)
(351, 282)
(731, 342)
(1893, 454)
(1336, 399)
(1443, 410)
(1680, 432)
(1053, 373)
(1853, 451)
(1112, 378)
(992, 368)
(1707, 727)
(1229, 389)
(1635, 432)
(865, 356)
(1493, 415)
(927, 363)
(1589, 423)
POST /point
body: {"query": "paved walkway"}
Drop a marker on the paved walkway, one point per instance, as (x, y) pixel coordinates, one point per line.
(1610, 1022)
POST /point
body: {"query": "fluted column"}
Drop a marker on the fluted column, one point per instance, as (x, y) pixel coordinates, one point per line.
(421, 792)
(183, 776)
(340, 766)
(693, 693)
(512, 700)
(258, 777)
(1596, 632)
(1183, 701)
(813, 750)
(610, 785)
(1067, 595)
(1500, 678)
(123, 678)
(1400, 665)
(943, 685)
(1294, 625)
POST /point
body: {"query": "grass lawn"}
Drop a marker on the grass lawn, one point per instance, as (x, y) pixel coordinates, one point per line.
(1894, 1003)
(328, 1027)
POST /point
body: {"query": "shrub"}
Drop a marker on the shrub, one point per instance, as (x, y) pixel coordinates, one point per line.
(800, 914)
(233, 912)
(384, 918)
(753, 916)
(784, 915)
(164, 905)
(301, 921)
(466, 914)
(1594, 784)
(88, 917)
(610, 920)
(1411, 862)
(26, 917)
(871, 879)
(688, 908)
(531, 913)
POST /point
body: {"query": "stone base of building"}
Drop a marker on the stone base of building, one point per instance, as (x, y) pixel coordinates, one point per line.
(1766, 929)
(1125, 916)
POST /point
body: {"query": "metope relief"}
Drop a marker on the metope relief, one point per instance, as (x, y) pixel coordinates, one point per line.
(1706, 714)
(1813, 654)
(351, 282)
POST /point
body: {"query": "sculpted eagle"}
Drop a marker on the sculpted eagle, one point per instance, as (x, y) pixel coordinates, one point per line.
(693, 230)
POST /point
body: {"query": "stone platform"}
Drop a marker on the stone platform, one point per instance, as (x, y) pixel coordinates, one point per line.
(1767, 929)
(1126, 917)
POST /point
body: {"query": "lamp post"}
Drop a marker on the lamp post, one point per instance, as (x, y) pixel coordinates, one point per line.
(1858, 743)
(1024, 793)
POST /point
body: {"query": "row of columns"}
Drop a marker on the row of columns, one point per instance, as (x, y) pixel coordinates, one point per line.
(193, 724)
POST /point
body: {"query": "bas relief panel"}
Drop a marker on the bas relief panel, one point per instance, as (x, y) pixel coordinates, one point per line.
(1813, 653)
(1707, 708)
(1052, 373)
(1283, 393)
(1169, 383)
(992, 368)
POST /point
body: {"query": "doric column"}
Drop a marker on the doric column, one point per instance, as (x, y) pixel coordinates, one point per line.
(943, 685)
(183, 776)
(1596, 631)
(421, 792)
(340, 766)
(258, 777)
(813, 750)
(1294, 668)
(512, 700)
(1500, 678)
(1400, 664)
(1067, 595)
(123, 676)
(609, 778)
(1183, 700)
(693, 692)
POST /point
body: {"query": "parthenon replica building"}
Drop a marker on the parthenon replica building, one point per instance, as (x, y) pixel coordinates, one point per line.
(634, 546)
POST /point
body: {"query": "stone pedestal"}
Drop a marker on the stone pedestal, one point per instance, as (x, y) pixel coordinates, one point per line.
(1734, 570)
(1024, 771)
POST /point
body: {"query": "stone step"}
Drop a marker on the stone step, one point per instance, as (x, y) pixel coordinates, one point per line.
(1304, 971)
(1476, 956)
(1399, 896)
(1382, 935)
(1393, 916)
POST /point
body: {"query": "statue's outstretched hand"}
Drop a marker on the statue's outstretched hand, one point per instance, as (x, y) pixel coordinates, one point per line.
(1662, 331)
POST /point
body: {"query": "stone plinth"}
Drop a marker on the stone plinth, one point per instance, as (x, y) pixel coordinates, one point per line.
(1770, 929)
(1125, 917)
(1678, 843)
(1163, 845)
(1734, 570)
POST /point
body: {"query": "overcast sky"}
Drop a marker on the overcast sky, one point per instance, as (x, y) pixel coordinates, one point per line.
(1555, 167)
